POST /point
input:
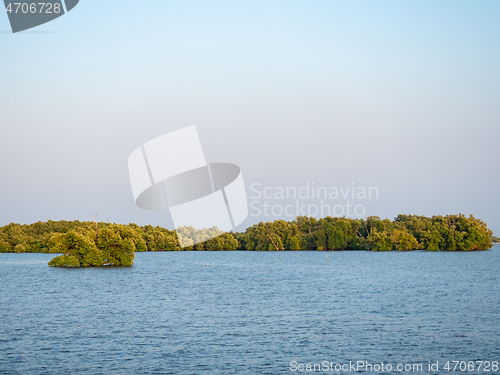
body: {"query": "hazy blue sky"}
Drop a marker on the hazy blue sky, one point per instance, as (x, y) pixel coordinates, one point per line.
(404, 96)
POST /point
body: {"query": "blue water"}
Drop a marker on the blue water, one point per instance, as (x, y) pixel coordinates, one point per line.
(245, 312)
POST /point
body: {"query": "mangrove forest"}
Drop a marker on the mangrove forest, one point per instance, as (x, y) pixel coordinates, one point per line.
(92, 243)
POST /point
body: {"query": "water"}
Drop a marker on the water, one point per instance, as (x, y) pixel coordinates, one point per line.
(246, 313)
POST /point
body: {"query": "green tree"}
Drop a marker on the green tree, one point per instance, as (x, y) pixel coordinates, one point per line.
(109, 245)
(117, 244)
(402, 240)
(77, 250)
(379, 241)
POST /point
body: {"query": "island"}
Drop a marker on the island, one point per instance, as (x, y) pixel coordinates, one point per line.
(112, 245)
(97, 244)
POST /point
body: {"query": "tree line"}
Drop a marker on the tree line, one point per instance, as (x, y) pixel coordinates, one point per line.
(110, 243)
(405, 232)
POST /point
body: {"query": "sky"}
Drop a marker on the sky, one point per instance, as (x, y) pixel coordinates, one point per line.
(400, 96)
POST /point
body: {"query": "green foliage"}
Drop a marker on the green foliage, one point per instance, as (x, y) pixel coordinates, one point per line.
(406, 232)
(295, 243)
(274, 235)
(403, 240)
(224, 241)
(65, 261)
(108, 246)
(157, 238)
(379, 241)
(77, 249)
(96, 244)
(4, 245)
(189, 237)
(117, 244)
